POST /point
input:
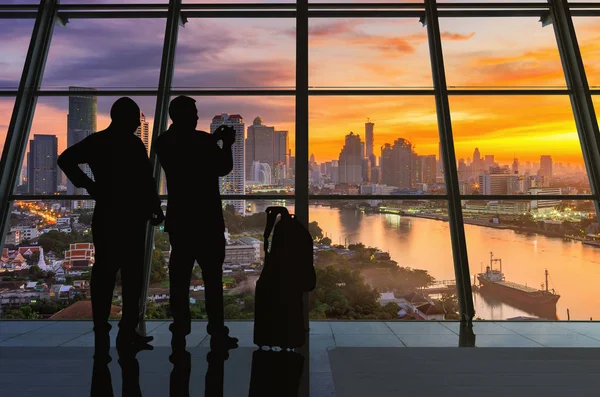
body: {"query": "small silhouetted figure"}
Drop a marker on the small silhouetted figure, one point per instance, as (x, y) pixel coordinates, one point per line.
(126, 199)
(193, 161)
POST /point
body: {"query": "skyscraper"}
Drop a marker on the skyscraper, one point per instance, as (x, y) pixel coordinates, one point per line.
(428, 168)
(234, 182)
(350, 162)
(143, 132)
(259, 144)
(281, 152)
(369, 137)
(81, 122)
(42, 171)
(397, 164)
(545, 166)
(477, 163)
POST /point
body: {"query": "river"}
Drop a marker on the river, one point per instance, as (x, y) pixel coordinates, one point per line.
(421, 243)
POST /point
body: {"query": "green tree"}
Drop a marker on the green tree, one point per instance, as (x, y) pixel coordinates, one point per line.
(68, 280)
(325, 240)
(233, 221)
(315, 231)
(35, 273)
(86, 217)
(158, 272)
(33, 259)
(161, 241)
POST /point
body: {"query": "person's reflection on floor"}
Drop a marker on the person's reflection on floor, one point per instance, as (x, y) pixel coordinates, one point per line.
(101, 380)
(275, 373)
(215, 374)
(179, 385)
(130, 373)
(466, 337)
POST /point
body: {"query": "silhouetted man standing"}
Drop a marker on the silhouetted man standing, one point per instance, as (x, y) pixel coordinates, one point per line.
(193, 161)
(126, 199)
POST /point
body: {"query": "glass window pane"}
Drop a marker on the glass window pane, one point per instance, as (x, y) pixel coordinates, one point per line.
(15, 37)
(588, 38)
(486, 52)
(596, 102)
(6, 108)
(560, 239)
(92, 53)
(374, 145)
(264, 149)
(68, 120)
(368, 53)
(517, 145)
(389, 245)
(256, 53)
(55, 241)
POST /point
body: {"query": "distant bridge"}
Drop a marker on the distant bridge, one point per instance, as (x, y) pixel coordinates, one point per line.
(440, 287)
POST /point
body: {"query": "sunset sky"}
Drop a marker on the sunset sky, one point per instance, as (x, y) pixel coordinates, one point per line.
(260, 53)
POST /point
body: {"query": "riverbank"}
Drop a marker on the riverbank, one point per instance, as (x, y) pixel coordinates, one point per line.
(484, 223)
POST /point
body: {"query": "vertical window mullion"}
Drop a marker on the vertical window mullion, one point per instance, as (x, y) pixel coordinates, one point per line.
(161, 116)
(301, 171)
(457, 231)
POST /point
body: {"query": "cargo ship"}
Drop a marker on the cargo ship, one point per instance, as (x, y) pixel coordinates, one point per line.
(493, 281)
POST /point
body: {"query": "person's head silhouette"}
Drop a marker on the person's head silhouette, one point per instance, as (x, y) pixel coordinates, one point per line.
(183, 112)
(125, 114)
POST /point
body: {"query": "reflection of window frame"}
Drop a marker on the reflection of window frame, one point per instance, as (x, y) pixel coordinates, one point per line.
(177, 14)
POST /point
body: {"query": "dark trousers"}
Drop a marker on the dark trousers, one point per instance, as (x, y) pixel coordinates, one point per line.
(118, 246)
(210, 254)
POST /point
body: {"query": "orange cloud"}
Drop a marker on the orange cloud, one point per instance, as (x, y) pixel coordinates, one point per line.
(456, 36)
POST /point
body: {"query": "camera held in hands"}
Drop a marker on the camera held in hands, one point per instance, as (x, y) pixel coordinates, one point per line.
(225, 133)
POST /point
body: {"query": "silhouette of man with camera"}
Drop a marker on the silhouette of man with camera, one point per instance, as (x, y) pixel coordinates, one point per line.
(193, 161)
(126, 199)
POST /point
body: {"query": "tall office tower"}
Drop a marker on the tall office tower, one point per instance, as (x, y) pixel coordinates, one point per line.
(143, 132)
(281, 148)
(259, 144)
(350, 162)
(489, 161)
(462, 170)
(335, 171)
(428, 169)
(439, 168)
(477, 163)
(41, 164)
(404, 157)
(233, 183)
(369, 138)
(292, 164)
(376, 175)
(397, 164)
(515, 166)
(366, 169)
(81, 122)
(363, 150)
(386, 166)
(545, 166)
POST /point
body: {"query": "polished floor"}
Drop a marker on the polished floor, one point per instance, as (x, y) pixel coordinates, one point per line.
(55, 356)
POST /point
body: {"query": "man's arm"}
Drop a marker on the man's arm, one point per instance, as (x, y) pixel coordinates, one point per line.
(69, 161)
(224, 158)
